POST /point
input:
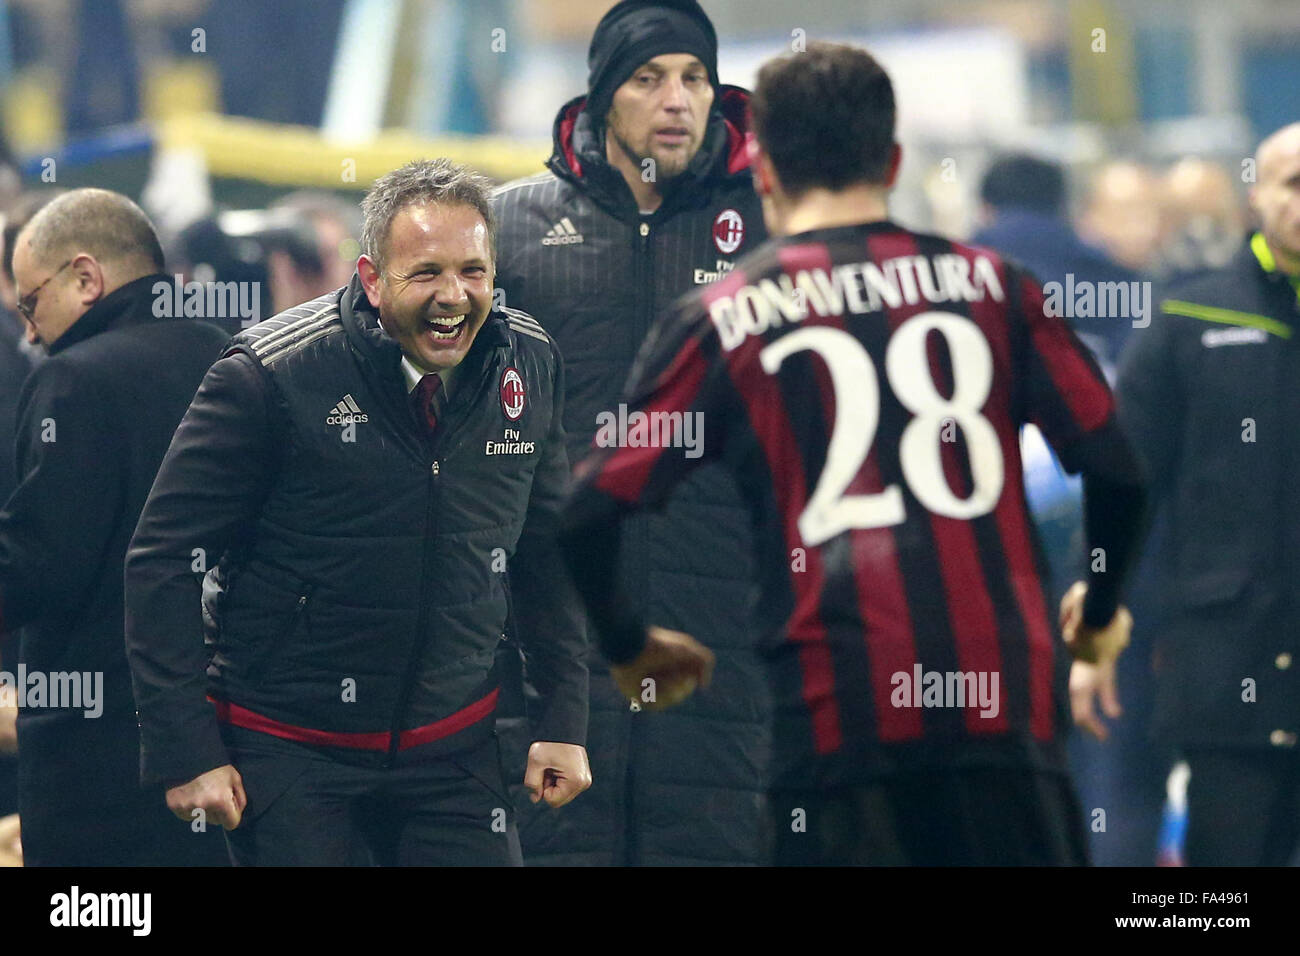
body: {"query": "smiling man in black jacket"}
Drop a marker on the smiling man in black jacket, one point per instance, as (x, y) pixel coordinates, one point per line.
(94, 421)
(364, 465)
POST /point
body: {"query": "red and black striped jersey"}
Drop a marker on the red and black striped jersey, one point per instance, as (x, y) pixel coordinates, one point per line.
(867, 386)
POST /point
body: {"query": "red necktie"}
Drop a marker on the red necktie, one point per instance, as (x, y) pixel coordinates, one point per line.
(426, 397)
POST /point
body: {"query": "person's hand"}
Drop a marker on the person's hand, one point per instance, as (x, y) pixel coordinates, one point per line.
(219, 793)
(1092, 645)
(676, 663)
(8, 720)
(11, 845)
(1091, 683)
(556, 772)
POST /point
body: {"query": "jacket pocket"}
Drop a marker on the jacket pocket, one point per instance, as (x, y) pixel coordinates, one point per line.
(265, 659)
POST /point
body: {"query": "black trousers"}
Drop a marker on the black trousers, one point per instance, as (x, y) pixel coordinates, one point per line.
(81, 804)
(308, 809)
(944, 817)
(1243, 808)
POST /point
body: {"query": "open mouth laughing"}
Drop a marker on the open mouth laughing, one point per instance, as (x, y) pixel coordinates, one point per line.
(445, 328)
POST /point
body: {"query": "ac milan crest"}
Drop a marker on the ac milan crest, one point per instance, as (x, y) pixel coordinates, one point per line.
(728, 231)
(512, 394)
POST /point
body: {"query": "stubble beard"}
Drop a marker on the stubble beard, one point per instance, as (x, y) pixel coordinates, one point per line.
(666, 170)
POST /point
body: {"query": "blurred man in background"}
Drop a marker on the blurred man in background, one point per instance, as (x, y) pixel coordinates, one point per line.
(1025, 199)
(94, 422)
(1025, 215)
(648, 196)
(1211, 394)
(1122, 214)
(1204, 218)
(300, 271)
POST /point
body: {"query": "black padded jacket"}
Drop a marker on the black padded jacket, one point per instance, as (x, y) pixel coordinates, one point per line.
(362, 565)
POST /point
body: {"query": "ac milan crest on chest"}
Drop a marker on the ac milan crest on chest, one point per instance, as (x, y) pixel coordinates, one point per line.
(728, 231)
(513, 396)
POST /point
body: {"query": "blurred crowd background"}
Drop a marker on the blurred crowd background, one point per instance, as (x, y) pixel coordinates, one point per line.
(1111, 138)
(1152, 107)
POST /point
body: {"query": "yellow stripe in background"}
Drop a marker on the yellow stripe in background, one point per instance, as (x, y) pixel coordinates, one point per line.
(1103, 72)
(299, 156)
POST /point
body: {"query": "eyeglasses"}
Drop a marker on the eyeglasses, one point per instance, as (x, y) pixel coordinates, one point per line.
(27, 304)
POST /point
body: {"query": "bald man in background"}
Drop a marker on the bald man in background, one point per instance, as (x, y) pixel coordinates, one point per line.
(1123, 215)
(1204, 216)
(94, 420)
(1210, 394)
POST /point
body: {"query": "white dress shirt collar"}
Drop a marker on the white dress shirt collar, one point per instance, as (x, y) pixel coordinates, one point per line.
(412, 373)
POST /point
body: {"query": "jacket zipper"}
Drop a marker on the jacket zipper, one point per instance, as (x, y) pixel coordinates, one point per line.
(631, 850)
(422, 617)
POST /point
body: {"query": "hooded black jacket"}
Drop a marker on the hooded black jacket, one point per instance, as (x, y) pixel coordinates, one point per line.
(363, 567)
(683, 786)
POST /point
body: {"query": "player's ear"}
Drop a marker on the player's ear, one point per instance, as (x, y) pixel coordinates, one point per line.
(369, 275)
(763, 171)
(895, 161)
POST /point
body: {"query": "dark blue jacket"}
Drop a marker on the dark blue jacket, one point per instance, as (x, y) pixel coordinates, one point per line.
(1047, 247)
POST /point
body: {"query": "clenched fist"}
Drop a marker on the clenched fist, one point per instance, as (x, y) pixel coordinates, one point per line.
(556, 772)
(219, 793)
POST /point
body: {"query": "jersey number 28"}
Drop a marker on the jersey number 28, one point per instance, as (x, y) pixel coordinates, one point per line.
(857, 414)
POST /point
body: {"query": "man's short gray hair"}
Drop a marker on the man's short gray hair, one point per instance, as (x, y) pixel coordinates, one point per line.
(422, 181)
(99, 222)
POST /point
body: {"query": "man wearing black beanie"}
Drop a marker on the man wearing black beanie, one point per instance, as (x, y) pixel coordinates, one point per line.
(632, 34)
(647, 196)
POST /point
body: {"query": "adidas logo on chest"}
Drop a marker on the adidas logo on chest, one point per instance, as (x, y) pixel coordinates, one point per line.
(346, 412)
(562, 234)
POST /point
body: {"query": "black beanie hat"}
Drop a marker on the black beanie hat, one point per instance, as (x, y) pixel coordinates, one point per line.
(635, 31)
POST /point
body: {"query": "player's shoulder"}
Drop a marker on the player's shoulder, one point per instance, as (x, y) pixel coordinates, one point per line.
(540, 189)
(525, 328)
(984, 258)
(290, 331)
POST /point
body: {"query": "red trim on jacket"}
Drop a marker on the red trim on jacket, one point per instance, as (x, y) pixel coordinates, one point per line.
(229, 713)
(566, 136)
